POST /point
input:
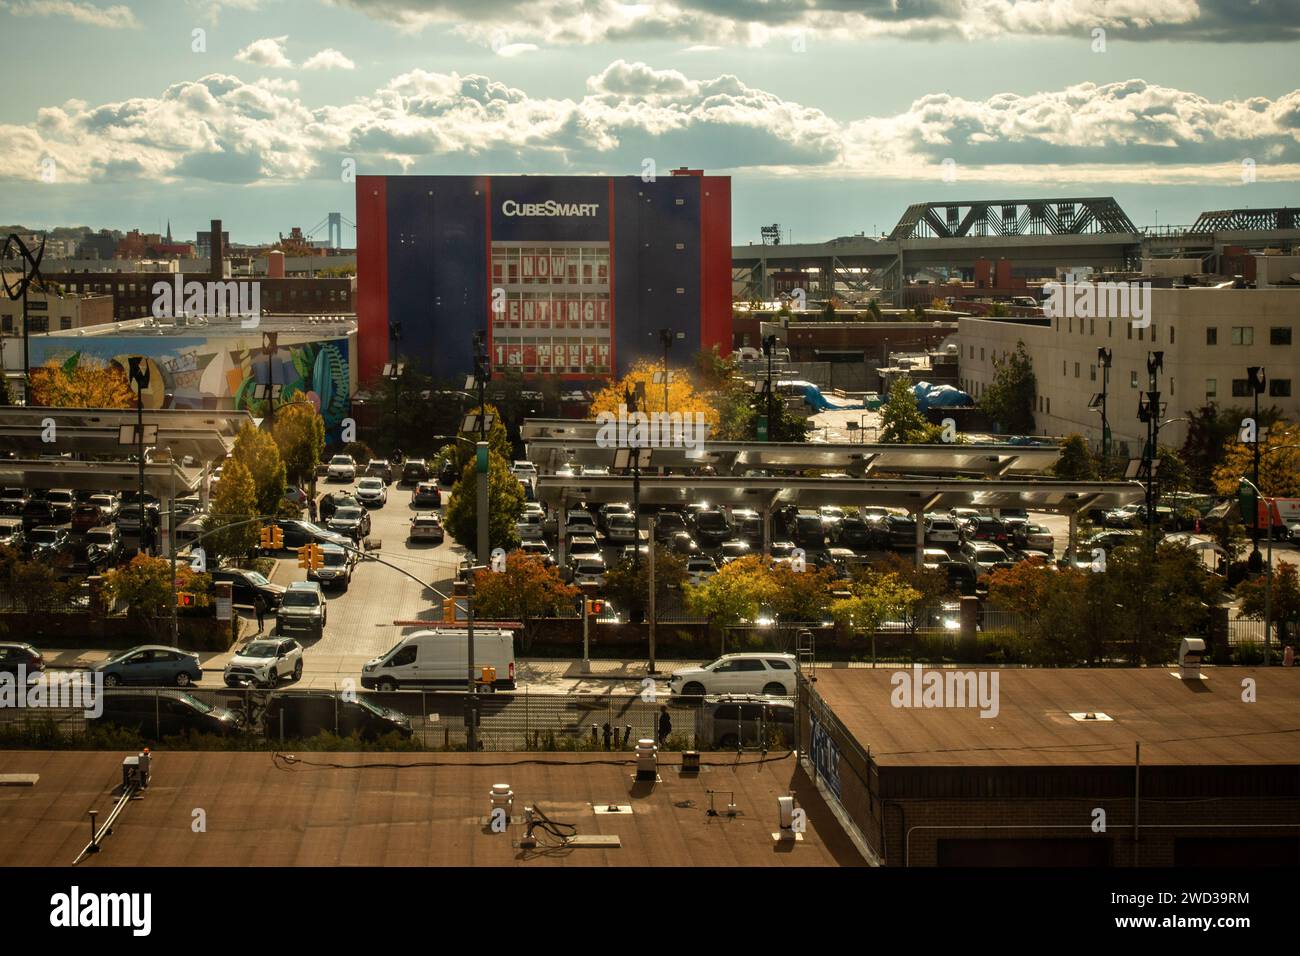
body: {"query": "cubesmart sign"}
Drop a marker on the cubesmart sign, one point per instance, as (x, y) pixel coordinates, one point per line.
(550, 209)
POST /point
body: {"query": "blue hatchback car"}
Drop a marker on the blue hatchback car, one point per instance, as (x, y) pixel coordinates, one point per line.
(152, 664)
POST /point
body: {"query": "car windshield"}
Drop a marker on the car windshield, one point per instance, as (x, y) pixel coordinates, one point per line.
(335, 559)
(301, 599)
(377, 711)
(370, 484)
(99, 534)
(194, 702)
(340, 460)
(256, 578)
(259, 649)
(348, 514)
(45, 535)
(711, 520)
(429, 522)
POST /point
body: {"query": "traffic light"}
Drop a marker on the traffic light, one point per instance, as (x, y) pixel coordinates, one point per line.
(271, 537)
(304, 556)
(449, 610)
(595, 607)
(311, 556)
(184, 599)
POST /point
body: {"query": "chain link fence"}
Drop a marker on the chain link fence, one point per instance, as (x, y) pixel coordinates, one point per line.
(239, 718)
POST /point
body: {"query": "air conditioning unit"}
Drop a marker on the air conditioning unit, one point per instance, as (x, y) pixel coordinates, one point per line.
(1190, 652)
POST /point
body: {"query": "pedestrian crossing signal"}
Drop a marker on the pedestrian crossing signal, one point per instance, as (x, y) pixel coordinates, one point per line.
(184, 599)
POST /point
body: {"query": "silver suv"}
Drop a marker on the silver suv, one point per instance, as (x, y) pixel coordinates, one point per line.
(303, 609)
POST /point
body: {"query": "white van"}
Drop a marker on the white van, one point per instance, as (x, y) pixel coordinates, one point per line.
(440, 658)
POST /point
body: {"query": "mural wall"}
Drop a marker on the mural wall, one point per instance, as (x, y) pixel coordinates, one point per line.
(198, 372)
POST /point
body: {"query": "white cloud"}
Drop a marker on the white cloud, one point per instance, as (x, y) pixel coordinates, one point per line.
(515, 49)
(115, 17)
(267, 52)
(221, 128)
(755, 22)
(328, 59)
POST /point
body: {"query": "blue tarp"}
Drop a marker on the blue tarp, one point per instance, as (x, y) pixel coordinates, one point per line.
(940, 396)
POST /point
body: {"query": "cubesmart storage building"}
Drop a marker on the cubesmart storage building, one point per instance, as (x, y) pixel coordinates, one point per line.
(571, 276)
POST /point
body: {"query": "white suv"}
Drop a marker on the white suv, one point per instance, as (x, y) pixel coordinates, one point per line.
(342, 468)
(265, 662)
(751, 673)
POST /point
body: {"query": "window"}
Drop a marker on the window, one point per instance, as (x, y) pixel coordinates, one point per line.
(1280, 336)
(1280, 388)
(1076, 369)
(1130, 329)
(1241, 388)
(981, 354)
(1110, 329)
(777, 664)
(1049, 406)
(1132, 379)
(1064, 368)
(1092, 326)
(1092, 373)
(1212, 336)
(1171, 335)
(1243, 335)
(1211, 388)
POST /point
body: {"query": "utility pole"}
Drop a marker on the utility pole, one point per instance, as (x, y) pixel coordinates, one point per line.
(1104, 359)
(769, 346)
(270, 347)
(139, 376)
(1256, 376)
(1150, 411)
(1268, 573)
(481, 374)
(26, 279)
(634, 455)
(651, 620)
(471, 687)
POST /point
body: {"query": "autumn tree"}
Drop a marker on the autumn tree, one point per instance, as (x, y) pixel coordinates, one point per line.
(234, 501)
(874, 598)
(1284, 602)
(259, 453)
(735, 594)
(683, 396)
(627, 583)
(527, 591)
(505, 504)
(1062, 620)
(79, 383)
(145, 587)
(803, 596)
(1279, 466)
(299, 433)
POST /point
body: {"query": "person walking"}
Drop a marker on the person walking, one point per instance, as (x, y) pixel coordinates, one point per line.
(311, 509)
(665, 725)
(259, 605)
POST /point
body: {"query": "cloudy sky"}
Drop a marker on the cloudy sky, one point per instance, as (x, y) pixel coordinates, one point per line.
(830, 115)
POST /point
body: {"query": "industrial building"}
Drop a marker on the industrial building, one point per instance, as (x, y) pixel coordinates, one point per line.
(571, 276)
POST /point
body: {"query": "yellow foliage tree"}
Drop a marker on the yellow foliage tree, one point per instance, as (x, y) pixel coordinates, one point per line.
(683, 396)
(81, 385)
(1279, 466)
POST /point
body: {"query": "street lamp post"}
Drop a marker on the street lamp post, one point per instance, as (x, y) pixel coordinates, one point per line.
(769, 346)
(1256, 377)
(1149, 412)
(1268, 573)
(1104, 359)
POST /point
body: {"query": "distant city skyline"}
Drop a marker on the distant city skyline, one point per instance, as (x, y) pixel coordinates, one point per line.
(830, 119)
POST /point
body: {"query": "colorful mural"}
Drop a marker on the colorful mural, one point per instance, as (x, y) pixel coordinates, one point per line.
(198, 372)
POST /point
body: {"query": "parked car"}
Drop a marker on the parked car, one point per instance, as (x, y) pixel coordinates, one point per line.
(622, 529)
(298, 714)
(415, 470)
(302, 609)
(85, 517)
(732, 721)
(856, 533)
(380, 468)
(62, 501)
(982, 557)
(427, 494)
(15, 654)
(682, 543)
(942, 530)
(264, 662)
(987, 529)
(1105, 540)
(808, 530)
(372, 492)
(529, 527)
(732, 550)
(712, 527)
(610, 509)
(12, 534)
(524, 469)
(13, 500)
(129, 519)
(342, 468)
(668, 524)
(748, 673)
(583, 546)
(578, 521)
(1035, 537)
(700, 569)
(152, 664)
(426, 526)
(354, 522)
(166, 714)
(589, 572)
(336, 570)
(37, 513)
(538, 549)
(109, 505)
(103, 548)
(447, 471)
(249, 588)
(901, 530)
(49, 544)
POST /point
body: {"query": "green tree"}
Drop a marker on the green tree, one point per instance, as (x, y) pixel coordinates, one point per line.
(720, 382)
(257, 451)
(1077, 462)
(901, 420)
(1210, 429)
(1173, 471)
(299, 433)
(505, 504)
(235, 500)
(527, 591)
(498, 438)
(1009, 398)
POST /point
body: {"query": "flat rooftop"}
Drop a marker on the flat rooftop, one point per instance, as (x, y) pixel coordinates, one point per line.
(407, 810)
(1178, 723)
